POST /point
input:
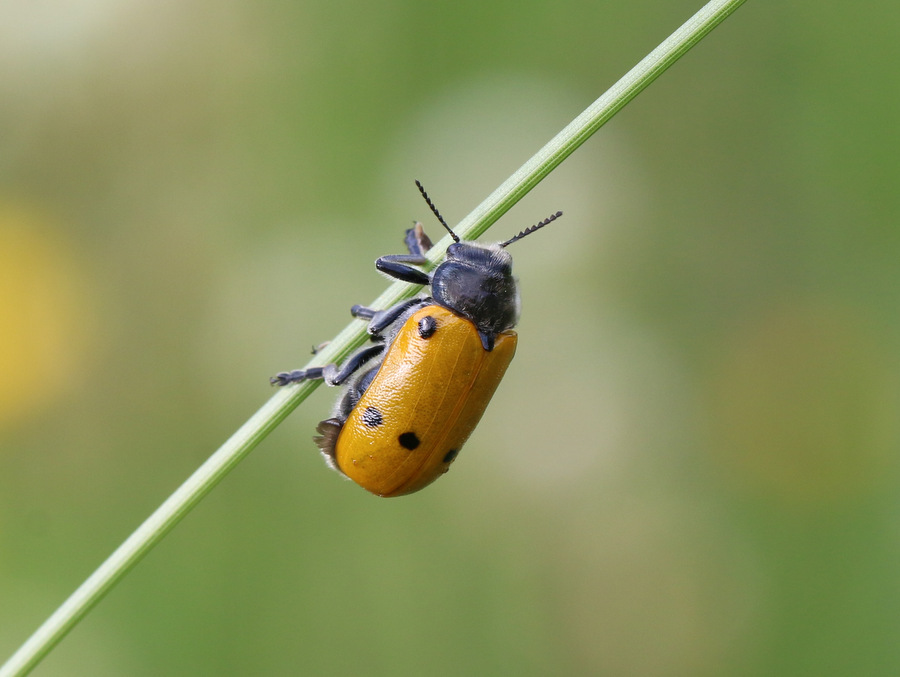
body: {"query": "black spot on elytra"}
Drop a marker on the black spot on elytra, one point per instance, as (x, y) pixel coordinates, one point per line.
(372, 417)
(450, 455)
(427, 326)
(408, 440)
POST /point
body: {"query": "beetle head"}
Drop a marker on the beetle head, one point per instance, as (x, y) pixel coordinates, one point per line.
(476, 281)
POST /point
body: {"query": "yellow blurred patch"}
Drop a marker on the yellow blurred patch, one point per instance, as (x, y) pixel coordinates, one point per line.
(44, 314)
(804, 403)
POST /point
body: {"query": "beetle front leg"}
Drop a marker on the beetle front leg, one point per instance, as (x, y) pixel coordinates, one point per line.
(417, 242)
(399, 267)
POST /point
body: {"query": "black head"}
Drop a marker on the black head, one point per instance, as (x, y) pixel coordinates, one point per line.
(476, 282)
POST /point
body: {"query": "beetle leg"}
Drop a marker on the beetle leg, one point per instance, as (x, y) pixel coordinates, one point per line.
(397, 266)
(329, 373)
(417, 241)
(381, 319)
(363, 312)
(336, 377)
(297, 376)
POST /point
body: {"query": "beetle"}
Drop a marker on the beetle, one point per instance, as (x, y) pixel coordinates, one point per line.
(413, 397)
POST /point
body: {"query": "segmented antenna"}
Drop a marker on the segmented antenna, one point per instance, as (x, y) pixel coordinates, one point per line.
(436, 212)
(529, 231)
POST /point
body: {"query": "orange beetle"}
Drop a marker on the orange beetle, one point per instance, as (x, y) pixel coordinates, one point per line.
(413, 398)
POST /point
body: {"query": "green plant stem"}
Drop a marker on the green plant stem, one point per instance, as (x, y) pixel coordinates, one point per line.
(286, 399)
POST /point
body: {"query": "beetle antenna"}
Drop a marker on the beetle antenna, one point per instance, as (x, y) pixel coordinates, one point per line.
(436, 212)
(529, 231)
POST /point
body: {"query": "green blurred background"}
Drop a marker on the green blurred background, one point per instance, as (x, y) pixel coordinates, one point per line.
(690, 468)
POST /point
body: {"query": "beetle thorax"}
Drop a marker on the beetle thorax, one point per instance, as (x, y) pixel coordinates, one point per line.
(476, 282)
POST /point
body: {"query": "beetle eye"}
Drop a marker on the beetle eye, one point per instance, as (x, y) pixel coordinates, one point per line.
(453, 249)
